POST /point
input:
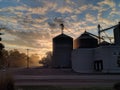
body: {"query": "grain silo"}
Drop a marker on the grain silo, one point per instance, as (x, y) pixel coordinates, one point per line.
(117, 35)
(86, 41)
(62, 48)
(82, 56)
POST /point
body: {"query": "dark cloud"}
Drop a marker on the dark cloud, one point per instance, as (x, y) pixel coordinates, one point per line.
(52, 25)
(58, 20)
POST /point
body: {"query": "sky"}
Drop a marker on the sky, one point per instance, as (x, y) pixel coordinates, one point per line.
(31, 24)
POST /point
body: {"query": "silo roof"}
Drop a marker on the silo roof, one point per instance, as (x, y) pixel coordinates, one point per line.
(62, 36)
(104, 43)
(86, 35)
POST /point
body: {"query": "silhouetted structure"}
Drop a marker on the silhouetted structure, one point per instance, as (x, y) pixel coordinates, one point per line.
(86, 41)
(116, 32)
(62, 48)
(90, 58)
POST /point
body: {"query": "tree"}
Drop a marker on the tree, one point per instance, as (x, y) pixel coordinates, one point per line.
(47, 61)
(1, 48)
(4, 57)
(16, 59)
(1, 54)
(13, 58)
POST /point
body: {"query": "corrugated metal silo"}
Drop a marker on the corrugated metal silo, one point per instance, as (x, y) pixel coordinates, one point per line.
(86, 41)
(104, 43)
(62, 48)
(117, 35)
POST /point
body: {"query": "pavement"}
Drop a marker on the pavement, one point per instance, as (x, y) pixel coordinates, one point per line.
(62, 77)
(74, 80)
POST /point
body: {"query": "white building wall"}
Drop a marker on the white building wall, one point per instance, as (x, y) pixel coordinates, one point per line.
(109, 56)
(82, 60)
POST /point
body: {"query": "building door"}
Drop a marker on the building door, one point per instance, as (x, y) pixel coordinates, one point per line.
(98, 65)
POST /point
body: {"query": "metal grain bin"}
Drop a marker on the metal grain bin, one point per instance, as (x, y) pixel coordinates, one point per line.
(62, 48)
(86, 41)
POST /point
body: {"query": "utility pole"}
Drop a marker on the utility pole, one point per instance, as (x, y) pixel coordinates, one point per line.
(99, 36)
(1, 48)
(28, 58)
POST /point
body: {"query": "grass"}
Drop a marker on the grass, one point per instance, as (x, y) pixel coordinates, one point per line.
(6, 81)
(60, 88)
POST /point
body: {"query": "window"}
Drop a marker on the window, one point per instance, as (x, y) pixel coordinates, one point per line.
(118, 60)
(98, 65)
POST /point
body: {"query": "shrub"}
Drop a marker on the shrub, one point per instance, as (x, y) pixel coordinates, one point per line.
(117, 86)
(6, 81)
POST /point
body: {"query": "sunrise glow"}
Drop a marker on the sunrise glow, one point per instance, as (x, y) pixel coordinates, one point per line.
(31, 24)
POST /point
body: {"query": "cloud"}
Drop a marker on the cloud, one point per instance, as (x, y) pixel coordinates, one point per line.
(43, 7)
(64, 9)
(105, 23)
(110, 3)
(33, 23)
(108, 13)
(103, 6)
(28, 39)
(70, 2)
(119, 4)
(90, 18)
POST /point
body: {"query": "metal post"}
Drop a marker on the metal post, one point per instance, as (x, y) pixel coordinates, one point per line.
(62, 27)
(99, 34)
(27, 58)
